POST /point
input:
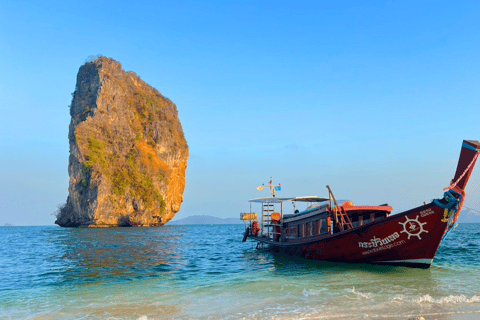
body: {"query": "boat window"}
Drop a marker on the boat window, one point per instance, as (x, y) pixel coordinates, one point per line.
(300, 230)
(293, 231)
(372, 216)
(355, 221)
(379, 215)
(310, 228)
(323, 226)
(366, 218)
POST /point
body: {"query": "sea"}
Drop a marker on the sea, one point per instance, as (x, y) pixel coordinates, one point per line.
(207, 272)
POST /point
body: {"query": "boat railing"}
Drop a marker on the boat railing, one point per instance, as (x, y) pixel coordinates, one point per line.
(341, 217)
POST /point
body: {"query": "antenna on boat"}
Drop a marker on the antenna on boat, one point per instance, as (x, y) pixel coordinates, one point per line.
(273, 188)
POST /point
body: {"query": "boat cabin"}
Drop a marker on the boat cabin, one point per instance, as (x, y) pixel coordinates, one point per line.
(309, 218)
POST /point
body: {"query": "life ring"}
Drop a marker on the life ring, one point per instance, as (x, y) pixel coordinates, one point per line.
(245, 235)
(255, 228)
(276, 217)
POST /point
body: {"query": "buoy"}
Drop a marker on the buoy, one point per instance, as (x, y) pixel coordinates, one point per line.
(255, 228)
(245, 235)
(348, 204)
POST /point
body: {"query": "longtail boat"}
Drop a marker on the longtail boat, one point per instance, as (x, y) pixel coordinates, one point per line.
(338, 231)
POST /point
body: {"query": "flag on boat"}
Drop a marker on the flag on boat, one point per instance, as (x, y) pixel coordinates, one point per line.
(278, 188)
(260, 188)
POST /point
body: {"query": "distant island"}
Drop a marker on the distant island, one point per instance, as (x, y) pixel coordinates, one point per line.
(196, 220)
(8, 225)
(469, 216)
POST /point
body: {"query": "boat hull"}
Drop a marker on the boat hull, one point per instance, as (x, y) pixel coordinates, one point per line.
(409, 239)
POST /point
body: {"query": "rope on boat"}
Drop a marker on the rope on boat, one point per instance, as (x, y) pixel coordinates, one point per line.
(463, 174)
(453, 199)
(472, 209)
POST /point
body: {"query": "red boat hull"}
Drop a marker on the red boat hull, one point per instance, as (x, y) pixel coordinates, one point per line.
(410, 239)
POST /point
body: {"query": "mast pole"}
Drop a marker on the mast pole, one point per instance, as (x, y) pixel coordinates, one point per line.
(330, 194)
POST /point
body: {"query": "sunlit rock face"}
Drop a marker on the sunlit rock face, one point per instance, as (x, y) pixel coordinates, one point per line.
(128, 153)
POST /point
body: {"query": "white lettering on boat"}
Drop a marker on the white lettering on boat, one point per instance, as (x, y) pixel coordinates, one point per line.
(426, 212)
(375, 242)
(386, 247)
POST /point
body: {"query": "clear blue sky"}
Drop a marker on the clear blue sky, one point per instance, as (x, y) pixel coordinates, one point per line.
(372, 98)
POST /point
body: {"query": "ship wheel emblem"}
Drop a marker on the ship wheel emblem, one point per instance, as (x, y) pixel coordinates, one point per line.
(413, 227)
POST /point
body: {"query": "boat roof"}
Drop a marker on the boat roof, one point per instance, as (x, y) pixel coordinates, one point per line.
(299, 199)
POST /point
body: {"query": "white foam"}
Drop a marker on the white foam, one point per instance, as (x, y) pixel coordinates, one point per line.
(142, 318)
(360, 294)
(451, 299)
(310, 292)
(447, 300)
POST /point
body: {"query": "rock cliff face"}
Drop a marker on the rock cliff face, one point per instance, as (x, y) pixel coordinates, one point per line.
(128, 153)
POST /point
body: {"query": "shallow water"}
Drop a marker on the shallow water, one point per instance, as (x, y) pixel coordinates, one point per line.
(184, 272)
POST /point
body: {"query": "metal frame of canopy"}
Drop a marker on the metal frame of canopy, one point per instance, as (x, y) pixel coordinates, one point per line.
(268, 207)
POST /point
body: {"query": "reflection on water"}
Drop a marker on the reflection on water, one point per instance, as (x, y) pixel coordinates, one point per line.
(119, 253)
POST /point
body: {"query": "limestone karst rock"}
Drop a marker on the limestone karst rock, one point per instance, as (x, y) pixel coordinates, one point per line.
(128, 153)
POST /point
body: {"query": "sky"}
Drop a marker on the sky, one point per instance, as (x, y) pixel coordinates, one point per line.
(371, 98)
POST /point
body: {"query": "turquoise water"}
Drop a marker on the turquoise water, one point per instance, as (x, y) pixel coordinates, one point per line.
(206, 272)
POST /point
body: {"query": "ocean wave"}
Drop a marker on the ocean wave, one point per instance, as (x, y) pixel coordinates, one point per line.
(451, 299)
(311, 292)
(314, 292)
(360, 294)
